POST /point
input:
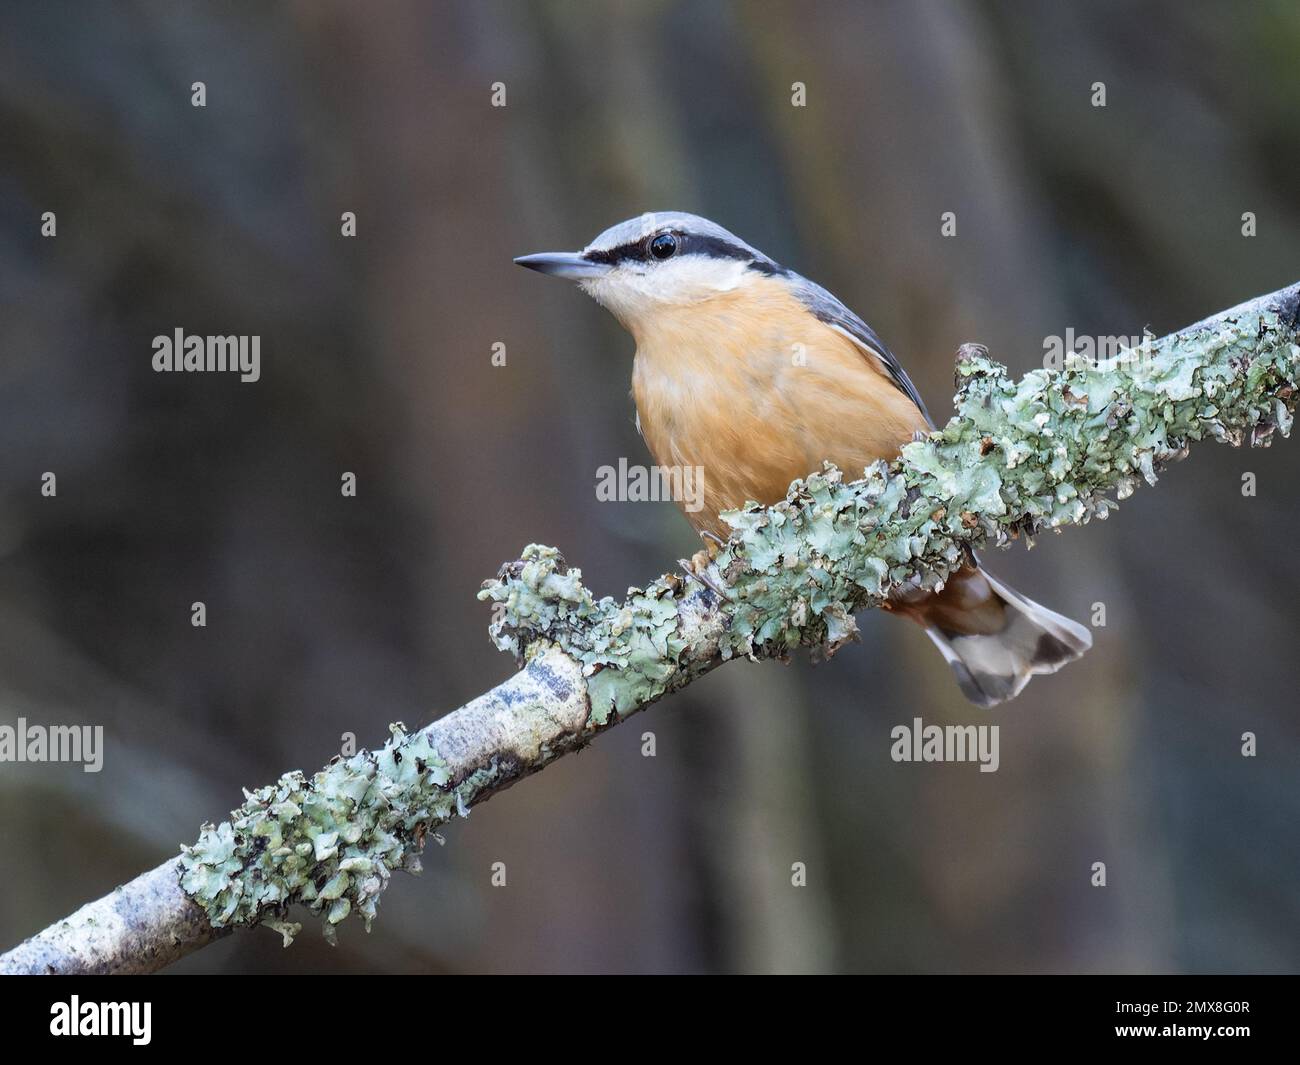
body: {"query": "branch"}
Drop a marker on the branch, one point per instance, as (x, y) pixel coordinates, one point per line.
(1018, 458)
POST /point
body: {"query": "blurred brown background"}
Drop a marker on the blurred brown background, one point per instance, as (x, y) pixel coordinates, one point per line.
(329, 615)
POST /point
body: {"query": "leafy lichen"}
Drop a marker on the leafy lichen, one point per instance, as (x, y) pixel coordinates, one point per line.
(330, 842)
(627, 649)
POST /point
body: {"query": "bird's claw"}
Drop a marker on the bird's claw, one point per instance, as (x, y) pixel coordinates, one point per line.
(697, 569)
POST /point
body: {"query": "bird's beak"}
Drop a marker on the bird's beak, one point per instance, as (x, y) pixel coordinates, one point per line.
(571, 264)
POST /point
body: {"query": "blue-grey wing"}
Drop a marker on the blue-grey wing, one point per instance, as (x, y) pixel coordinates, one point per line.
(831, 311)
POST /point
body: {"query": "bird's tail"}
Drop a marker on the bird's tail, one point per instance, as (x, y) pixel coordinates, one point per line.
(994, 638)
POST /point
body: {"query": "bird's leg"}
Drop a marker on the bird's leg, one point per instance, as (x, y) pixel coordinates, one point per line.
(699, 564)
(702, 559)
(697, 572)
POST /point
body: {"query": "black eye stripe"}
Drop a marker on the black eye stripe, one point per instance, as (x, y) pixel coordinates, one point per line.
(609, 255)
(714, 247)
(687, 244)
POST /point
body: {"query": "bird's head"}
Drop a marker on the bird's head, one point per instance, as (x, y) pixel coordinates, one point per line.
(655, 261)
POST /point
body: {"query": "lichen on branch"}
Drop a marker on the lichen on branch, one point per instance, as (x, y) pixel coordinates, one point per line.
(330, 842)
(1018, 458)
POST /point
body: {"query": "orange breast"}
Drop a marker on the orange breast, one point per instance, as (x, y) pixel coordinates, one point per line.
(752, 389)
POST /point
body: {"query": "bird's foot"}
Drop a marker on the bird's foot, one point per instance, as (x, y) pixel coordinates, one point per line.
(699, 574)
(698, 566)
(704, 558)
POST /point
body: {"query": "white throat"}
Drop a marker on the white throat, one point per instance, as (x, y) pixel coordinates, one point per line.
(633, 290)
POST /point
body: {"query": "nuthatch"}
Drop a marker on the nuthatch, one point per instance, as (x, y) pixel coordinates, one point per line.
(756, 375)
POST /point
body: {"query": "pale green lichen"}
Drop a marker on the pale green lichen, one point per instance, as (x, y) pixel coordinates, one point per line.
(330, 842)
(627, 649)
(1019, 457)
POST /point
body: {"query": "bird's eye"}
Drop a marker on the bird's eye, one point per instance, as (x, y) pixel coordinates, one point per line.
(663, 246)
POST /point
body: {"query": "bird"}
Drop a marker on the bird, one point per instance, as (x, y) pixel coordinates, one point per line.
(756, 375)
